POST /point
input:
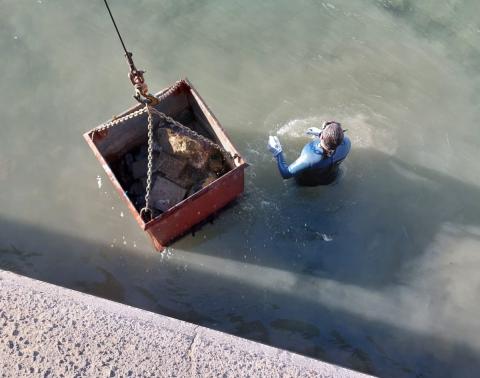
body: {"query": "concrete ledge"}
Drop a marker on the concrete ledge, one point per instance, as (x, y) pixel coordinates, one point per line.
(46, 330)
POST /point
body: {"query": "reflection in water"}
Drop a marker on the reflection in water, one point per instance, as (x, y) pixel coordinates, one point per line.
(357, 358)
(109, 287)
(17, 260)
(377, 272)
(306, 330)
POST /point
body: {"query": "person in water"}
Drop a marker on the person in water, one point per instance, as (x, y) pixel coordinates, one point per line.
(319, 160)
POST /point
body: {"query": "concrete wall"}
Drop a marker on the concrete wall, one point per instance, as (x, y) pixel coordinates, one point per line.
(47, 330)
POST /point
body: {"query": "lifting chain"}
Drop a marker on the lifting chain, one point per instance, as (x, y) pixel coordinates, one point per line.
(178, 127)
(147, 211)
(117, 120)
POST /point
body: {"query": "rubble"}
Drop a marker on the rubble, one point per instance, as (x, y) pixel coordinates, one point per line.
(189, 177)
(139, 168)
(184, 146)
(170, 166)
(181, 166)
(202, 184)
(137, 189)
(165, 194)
(129, 159)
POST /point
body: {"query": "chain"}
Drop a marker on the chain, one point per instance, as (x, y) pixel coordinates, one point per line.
(116, 121)
(147, 208)
(189, 132)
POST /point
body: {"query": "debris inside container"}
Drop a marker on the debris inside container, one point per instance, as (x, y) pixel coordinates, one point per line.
(183, 164)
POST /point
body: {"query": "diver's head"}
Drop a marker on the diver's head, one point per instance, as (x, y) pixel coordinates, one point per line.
(331, 137)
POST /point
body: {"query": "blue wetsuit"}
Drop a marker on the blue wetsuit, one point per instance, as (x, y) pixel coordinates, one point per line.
(313, 167)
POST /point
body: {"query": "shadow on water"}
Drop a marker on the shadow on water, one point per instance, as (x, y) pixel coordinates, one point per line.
(381, 216)
(371, 239)
(303, 326)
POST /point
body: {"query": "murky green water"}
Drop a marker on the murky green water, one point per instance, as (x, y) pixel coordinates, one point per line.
(377, 272)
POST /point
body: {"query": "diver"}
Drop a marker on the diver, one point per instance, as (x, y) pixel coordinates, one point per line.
(319, 161)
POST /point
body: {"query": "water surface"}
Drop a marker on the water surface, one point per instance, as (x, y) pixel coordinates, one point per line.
(377, 272)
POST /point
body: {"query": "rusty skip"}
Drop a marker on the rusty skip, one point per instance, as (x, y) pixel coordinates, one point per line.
(183, 103)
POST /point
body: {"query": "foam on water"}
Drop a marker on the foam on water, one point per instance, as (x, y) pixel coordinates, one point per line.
(296, 128)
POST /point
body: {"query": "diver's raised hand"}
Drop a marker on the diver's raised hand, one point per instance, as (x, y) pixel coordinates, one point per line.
(274, 145)
(314, 131)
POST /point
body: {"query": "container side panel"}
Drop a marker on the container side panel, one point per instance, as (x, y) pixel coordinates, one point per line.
(194, 210)
(215, 127)
(114, 181)
(202, 121)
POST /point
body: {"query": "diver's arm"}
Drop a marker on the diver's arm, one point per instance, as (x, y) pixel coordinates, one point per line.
(287, 171)
(282, 166)
(293, 169)
(276, 149)
(298, 166)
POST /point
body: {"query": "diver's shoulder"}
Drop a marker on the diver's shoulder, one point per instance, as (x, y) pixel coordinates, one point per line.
(343, 149)
(312, 146)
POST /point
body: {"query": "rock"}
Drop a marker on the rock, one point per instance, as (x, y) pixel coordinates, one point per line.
(139, 169)
(216, 163)
(199, 185)
(170, 166)
(139, 202)
(142, 153)
(167, 165)
(137, 189)
(166, 194)
(129, 159)
(143, 180)
(162, 205)
(122, 173)
(210, 178)
(173, 143)
(181, 163)
(190, 176)
(156, 147)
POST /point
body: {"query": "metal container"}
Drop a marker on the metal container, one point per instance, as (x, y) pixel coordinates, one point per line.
(113, 143)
